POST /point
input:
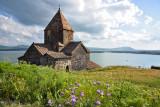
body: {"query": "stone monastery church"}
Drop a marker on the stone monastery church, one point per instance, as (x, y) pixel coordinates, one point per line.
(59, 50)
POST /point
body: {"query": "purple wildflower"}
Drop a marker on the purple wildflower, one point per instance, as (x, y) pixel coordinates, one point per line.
(109, 94)
(70, 84)
(98, 91)
(101, 93)
(94, 83)
(98, 82)
(72, 92)
(76, 98)
(67, 102)
(98, 102)
(75, 83)
(59, 105)
(46, 104)
(73, 88)
(49, 102)
(62, 93)
(80, 98)
(73, 100)
(73, 96)
(69, 88)
(79, 85)
(107, 85)
(82, 93)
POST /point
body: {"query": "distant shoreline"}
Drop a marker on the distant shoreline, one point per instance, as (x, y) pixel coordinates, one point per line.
(92, 50)
(156, 52)
(13, 49)
(132, 52)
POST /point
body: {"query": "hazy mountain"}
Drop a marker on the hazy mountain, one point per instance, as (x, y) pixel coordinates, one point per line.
(123, 49)
(24, 47)
(13, 48)
(92, 49)
(111, 49)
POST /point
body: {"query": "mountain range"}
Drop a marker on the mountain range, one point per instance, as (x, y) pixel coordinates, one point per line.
(24, 47)
(13, 48)
(111, 49)
(92, 49)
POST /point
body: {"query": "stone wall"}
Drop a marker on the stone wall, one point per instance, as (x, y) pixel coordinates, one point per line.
(32, 56)
(47, 60)
(88, 56)
(79, 59)
(62, 63)
(67, 36)
(52, 37)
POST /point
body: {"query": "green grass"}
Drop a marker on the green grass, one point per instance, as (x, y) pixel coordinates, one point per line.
(31, 85)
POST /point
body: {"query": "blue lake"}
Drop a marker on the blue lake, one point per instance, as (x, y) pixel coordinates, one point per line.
(103, 59)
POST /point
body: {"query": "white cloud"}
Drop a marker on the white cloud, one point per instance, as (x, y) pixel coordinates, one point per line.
(97, 23)
(144, 31)
(148, 20)
(111, 37)
(111, 14)
(155, 31)
(123, 36)
(14, 33)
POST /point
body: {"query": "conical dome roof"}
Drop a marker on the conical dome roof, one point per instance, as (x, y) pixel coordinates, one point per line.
(58, 22)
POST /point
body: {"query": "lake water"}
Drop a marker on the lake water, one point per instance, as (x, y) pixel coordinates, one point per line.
(103, 59)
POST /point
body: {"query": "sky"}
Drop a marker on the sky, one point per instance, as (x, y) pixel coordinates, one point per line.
(97, 23)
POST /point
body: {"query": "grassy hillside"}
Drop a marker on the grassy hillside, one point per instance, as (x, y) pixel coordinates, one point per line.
(115, 86)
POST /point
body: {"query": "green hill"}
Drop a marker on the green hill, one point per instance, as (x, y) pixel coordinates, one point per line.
(114, 86)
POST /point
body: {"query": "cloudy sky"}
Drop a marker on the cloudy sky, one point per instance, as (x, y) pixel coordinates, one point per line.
(97, 23)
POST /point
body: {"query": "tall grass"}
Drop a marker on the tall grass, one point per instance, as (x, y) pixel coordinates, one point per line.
(32, 85)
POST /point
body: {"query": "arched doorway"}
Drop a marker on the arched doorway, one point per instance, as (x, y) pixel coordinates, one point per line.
(67, 68)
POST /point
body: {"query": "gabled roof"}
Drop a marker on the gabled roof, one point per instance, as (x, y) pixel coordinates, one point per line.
(66, 52)
(71, 47)
(46, 49)
(58, 22)
(43, 48)
(68, 49)
(58, 55)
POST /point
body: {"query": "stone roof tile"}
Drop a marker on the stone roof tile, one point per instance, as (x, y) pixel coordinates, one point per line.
(92, 65)
(58, 22)
(46, 49)
(71, 46)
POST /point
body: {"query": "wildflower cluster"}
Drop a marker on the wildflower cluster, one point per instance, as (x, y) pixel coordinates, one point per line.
(77, 96)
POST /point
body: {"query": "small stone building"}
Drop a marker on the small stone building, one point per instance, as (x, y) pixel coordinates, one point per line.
(59, 50)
